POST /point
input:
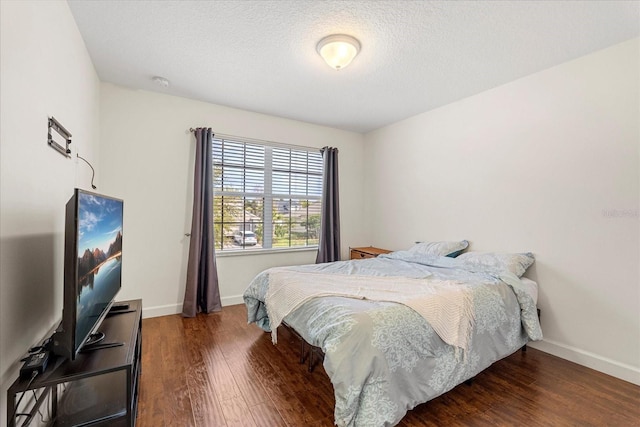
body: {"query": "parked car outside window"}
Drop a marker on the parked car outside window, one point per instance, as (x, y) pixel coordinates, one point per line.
(245, 238)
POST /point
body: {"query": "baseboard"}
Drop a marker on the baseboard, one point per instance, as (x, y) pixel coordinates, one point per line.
(169, 309)
(232, 300)
(590, 360)
(160, 310)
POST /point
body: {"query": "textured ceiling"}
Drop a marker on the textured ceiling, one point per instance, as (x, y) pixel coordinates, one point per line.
(416, 55)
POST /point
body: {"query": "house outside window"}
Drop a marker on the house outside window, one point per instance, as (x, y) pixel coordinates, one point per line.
(266, 195)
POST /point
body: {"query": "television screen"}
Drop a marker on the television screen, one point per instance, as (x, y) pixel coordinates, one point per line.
(92, 268)
(99, 253)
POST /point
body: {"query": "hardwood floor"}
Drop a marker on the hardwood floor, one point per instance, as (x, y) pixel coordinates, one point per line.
(215, 370)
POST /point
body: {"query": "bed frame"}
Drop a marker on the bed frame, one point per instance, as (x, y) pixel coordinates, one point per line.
(312, 356)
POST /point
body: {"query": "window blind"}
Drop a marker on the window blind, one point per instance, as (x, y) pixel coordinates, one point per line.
(265, 196)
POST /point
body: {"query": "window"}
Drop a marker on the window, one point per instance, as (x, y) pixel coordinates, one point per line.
(266, 196)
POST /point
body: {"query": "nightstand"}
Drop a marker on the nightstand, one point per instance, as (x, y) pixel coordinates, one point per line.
(367, 252)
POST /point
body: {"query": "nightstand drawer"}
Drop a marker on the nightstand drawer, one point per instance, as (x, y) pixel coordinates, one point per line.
(361, 255)
(367, 252)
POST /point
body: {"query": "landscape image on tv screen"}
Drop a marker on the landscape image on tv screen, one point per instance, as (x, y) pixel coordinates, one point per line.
(99, 268)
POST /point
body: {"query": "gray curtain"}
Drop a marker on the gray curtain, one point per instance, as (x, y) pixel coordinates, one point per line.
(329, 245)
(202, 293)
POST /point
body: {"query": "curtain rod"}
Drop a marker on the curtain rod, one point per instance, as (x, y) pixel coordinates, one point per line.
(259, 141)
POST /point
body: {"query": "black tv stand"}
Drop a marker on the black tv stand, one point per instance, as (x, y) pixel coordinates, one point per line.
(97, 387)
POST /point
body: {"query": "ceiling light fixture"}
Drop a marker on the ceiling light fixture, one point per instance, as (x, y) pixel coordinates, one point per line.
(160, 81)
(338, 50)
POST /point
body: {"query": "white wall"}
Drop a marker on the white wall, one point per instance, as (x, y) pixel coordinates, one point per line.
(45, 71)
(549, 164)
(147, 159)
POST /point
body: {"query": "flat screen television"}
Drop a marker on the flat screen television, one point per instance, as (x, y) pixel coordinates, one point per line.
(92, 268)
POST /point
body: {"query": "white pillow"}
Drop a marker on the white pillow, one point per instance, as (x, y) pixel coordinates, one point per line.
(450, 249)
(496, 262)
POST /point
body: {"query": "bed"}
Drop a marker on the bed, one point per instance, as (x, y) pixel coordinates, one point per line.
(382, 354)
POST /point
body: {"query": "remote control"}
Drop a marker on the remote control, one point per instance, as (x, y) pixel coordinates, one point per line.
(119, 307)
